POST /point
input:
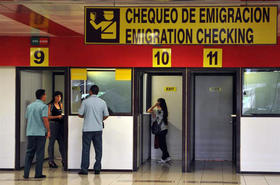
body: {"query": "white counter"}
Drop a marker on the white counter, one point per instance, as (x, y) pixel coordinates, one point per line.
(117, 143)
(260, 144)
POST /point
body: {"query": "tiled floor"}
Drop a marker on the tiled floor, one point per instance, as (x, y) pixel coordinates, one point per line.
(206, 173)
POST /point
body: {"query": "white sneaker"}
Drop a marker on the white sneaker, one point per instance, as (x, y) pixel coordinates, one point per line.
(167, 159)
(161, 161)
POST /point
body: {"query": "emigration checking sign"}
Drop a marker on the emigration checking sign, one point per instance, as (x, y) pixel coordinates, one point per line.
(181, 25)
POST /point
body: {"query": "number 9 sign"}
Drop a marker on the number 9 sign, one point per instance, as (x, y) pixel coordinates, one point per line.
(39, 57)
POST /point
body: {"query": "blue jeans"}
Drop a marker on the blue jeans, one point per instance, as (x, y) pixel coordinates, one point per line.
(36, 144)
(96, 138)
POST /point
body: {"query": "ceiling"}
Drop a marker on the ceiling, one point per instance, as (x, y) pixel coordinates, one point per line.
(66, 17)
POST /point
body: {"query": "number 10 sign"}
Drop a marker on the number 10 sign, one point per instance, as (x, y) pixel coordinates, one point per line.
(161, 57)
(212, 57)
(39, 57)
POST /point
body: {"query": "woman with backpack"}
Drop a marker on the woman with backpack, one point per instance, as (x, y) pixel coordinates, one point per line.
(160, 126)
(57, 128)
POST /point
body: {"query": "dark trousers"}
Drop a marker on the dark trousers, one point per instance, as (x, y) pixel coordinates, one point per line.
(96, 138)
(162, 144)
(57, 133)
(36, 144)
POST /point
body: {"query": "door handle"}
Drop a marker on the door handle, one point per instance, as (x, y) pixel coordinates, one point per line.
(233, 116)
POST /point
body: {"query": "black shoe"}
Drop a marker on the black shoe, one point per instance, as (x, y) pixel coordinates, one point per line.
(40, 177)
(25, 177)
(52, 165)
(83, 173)
(97, 172)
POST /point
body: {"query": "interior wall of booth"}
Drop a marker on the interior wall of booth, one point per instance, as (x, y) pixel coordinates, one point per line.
(30, 82)
(7, 117)
(59, 85)
(174, 101)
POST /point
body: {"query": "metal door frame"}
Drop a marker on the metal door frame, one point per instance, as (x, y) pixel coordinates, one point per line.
(66, 71)
(236, 73)
(157, 72)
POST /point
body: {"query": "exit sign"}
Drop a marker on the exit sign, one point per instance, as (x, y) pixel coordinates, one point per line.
(168, 89)
(39, 41)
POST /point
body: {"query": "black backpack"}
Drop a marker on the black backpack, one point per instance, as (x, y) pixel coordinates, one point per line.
(156, 128)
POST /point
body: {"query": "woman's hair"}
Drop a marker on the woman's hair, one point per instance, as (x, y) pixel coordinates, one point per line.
(162, 104)
(56, 93)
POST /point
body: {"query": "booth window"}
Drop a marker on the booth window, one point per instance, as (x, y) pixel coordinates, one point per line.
(116, 93)
(261, 92)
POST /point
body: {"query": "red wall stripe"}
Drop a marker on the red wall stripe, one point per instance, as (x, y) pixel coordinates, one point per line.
(71, 51)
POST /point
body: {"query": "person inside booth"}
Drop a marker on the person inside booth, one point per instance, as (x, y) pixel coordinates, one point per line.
(57, 128)
(160, 127)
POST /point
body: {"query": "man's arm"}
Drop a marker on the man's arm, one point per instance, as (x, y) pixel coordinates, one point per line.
(92, 21)
(81, 113)
(46, 120)
(105, 112)
(47, 126)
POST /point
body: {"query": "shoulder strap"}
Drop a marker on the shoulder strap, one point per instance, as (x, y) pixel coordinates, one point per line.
(52, 107)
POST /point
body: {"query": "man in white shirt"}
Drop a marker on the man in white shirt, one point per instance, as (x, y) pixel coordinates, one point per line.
(94, 111)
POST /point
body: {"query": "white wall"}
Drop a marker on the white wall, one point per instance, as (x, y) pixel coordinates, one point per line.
(174, 105)
(117, 143)
(7, 117)
(260, 146)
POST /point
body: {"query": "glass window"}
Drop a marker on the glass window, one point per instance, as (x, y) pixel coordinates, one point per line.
(261, 92)
(116, 93)
(78, 89)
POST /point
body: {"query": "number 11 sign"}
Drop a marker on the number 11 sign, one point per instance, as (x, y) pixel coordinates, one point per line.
(212, 57)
